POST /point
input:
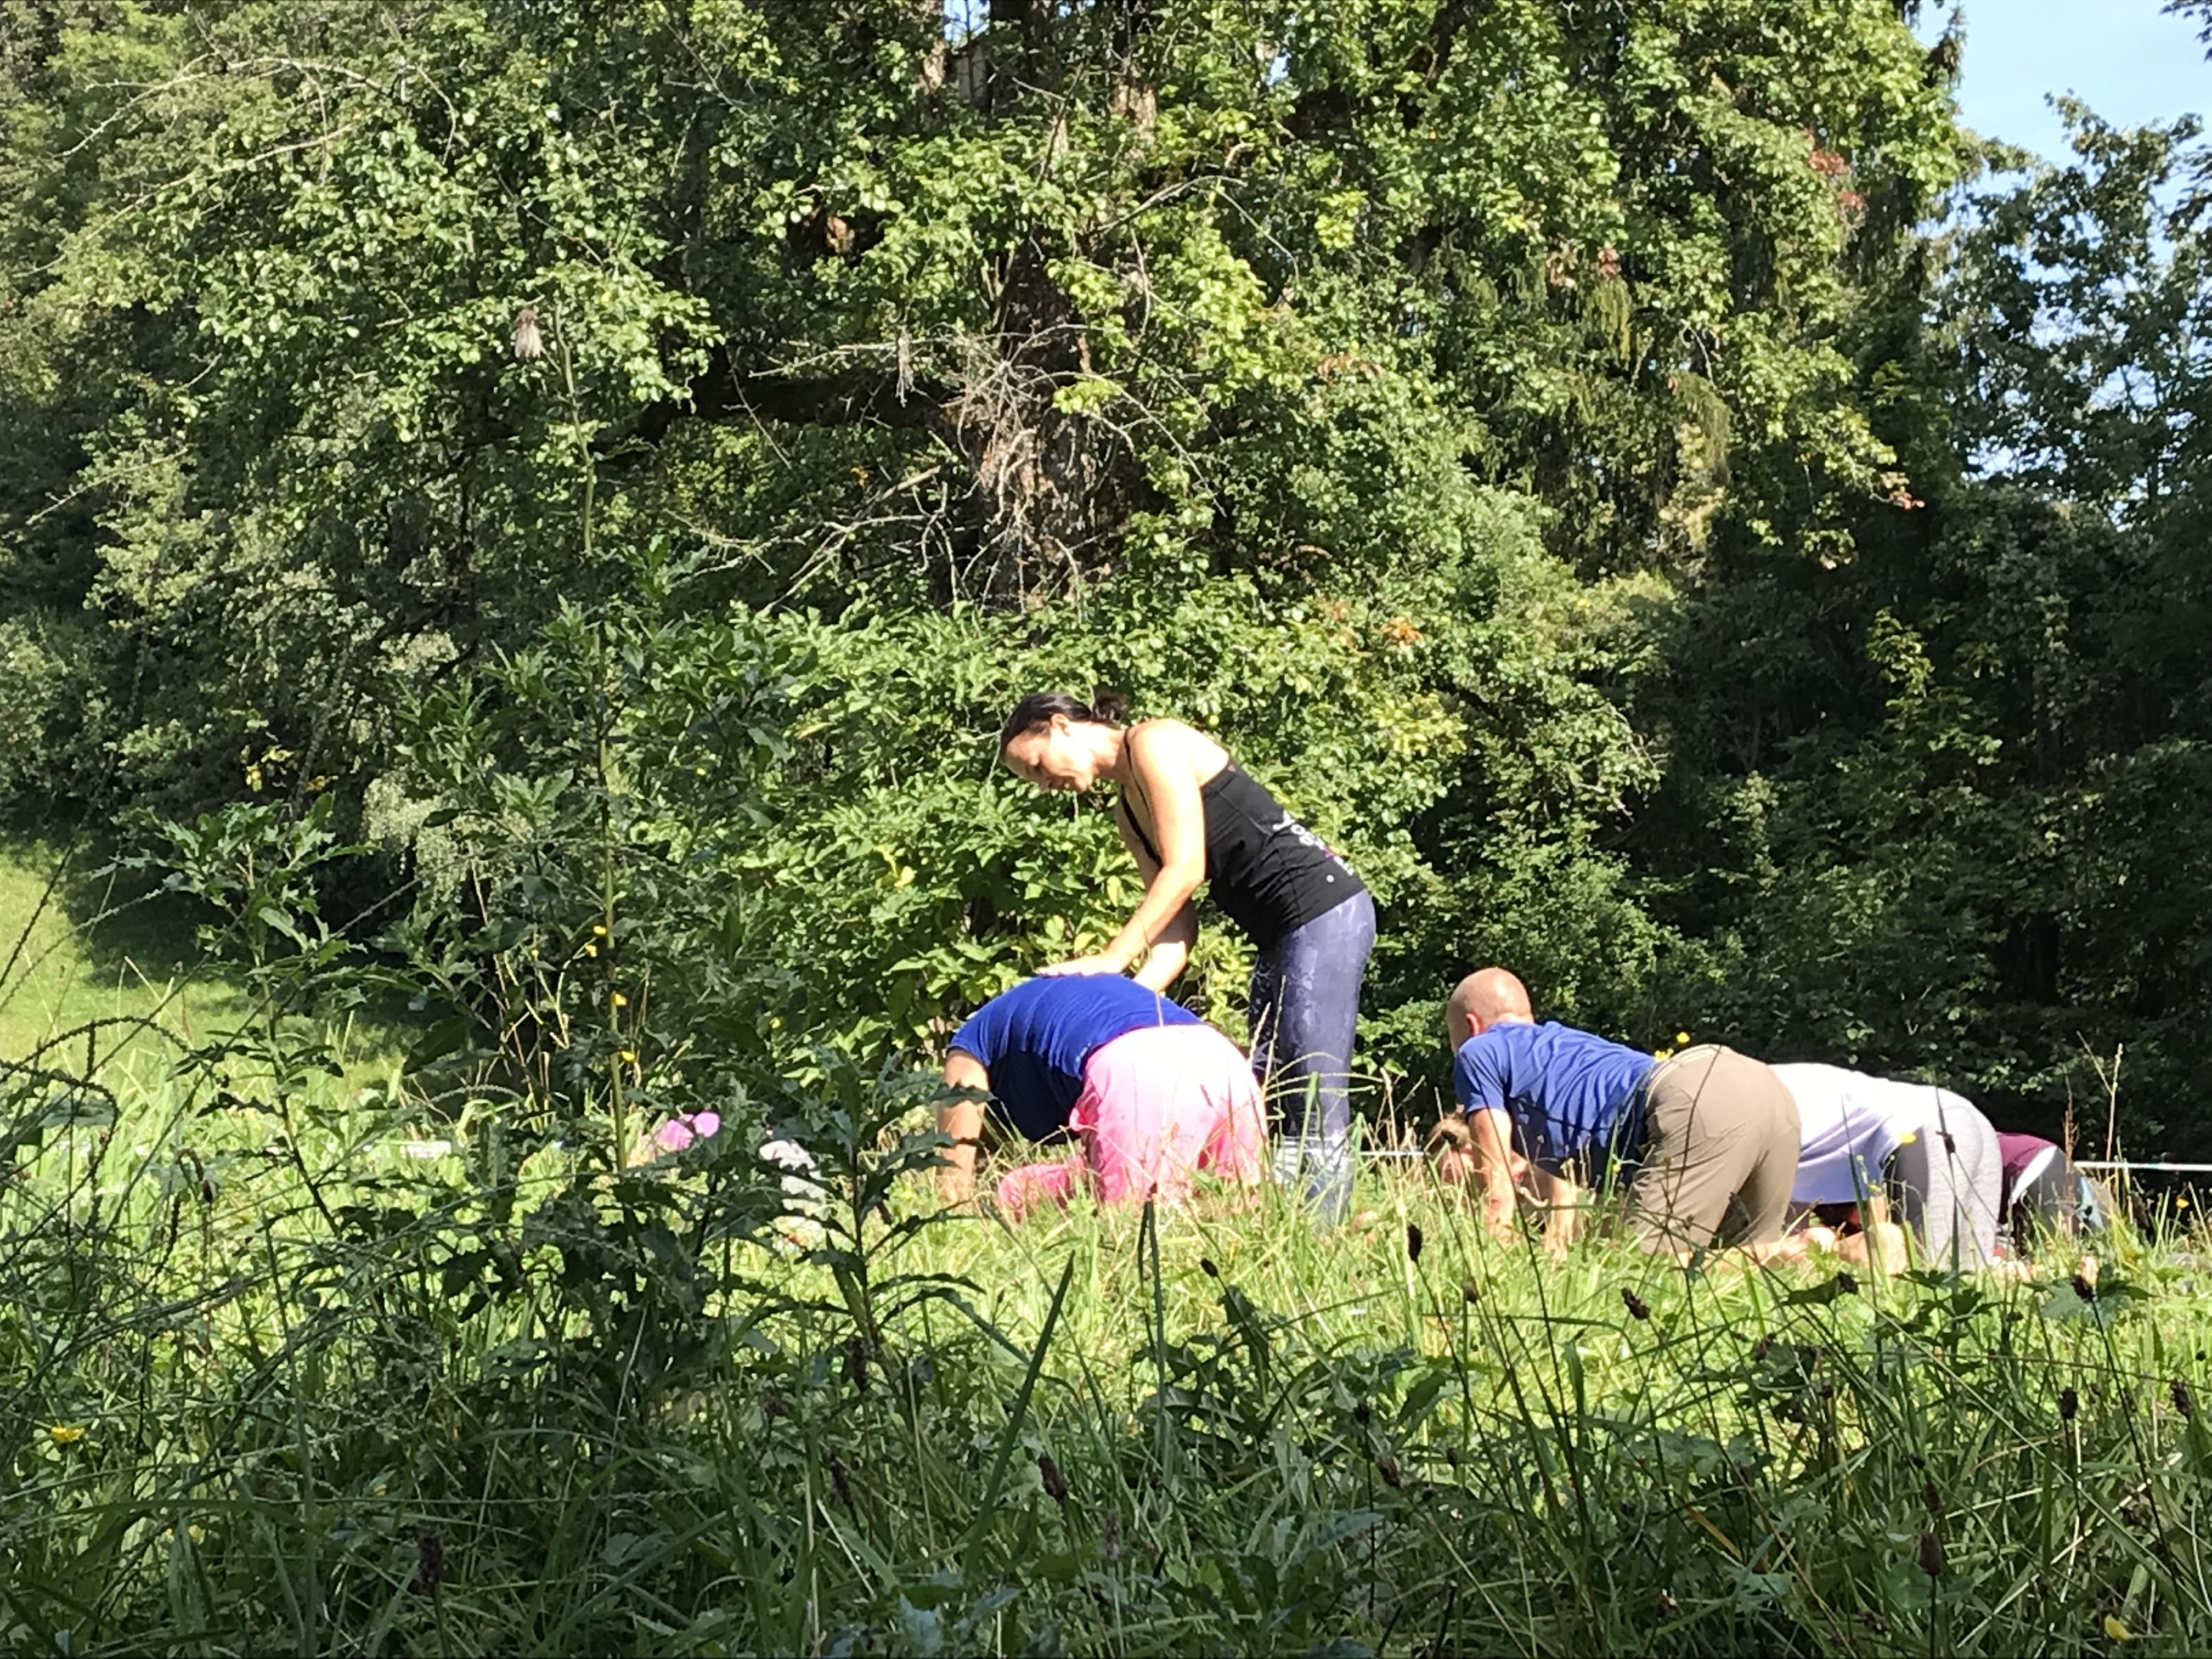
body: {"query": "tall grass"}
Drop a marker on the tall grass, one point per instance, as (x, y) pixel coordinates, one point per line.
(270, 1381)
(257, 1402)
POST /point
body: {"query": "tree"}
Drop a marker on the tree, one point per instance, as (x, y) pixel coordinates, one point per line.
(1949, 818)
(1366, 377)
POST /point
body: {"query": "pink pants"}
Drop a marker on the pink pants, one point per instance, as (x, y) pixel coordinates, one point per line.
(1158, 1106)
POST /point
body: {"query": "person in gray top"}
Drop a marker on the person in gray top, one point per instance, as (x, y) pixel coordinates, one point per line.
(1929, 1152)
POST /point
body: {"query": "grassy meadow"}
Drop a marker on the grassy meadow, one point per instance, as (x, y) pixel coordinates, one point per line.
(316, 1369)
(90, 972)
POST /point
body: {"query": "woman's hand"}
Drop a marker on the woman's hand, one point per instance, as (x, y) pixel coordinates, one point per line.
(1084, 965)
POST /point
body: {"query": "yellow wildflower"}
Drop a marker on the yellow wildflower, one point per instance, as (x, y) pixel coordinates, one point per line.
(617, 999)
(591, 950)
(65, 1434)
(629, 1056)
(1908, 1137)
(1681, 1039)
(2114, 1629)
(600, 928)
(1662, 1053)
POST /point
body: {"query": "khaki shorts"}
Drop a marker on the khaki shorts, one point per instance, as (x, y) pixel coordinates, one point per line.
(1719, 1154)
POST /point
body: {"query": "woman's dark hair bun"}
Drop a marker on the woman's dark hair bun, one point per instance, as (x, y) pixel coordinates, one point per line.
(1104, 708)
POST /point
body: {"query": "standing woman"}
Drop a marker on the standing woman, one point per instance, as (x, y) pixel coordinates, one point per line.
(1189, 815)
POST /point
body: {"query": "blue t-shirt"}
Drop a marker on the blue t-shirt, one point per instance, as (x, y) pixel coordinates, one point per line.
(1034, 1039)
(1564, 1089)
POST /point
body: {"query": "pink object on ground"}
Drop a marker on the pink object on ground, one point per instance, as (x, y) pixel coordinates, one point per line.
(685, 1128)
(1159, 1106)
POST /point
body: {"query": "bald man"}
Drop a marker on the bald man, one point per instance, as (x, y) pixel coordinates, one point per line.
(1705, 1142)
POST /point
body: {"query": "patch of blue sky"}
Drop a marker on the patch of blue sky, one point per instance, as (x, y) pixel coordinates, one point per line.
(964, 19)
(2130, 61)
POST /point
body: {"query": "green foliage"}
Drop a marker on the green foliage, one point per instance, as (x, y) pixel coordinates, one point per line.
(1945, 800)
(532, 520)
(1565, 450)
(770, 831)
(869, 310)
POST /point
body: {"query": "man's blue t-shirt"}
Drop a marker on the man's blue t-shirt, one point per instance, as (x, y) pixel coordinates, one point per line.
(1564, 1089)
(1034, 1039)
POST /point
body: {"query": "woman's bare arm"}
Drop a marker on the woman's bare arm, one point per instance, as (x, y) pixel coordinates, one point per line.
(963, 1119)
(1163, 764)
(1171, 952)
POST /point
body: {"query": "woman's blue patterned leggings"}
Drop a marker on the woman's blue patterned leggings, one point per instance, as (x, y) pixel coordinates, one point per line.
(1304, 1015)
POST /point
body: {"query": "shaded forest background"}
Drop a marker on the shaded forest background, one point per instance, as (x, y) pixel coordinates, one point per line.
(568, 491)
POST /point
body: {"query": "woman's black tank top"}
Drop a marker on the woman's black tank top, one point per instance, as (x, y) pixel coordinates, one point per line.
(1265, 869)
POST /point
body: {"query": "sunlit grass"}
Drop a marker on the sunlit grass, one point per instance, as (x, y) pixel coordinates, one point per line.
(88, 970)
(1243, 1433)
(101, 978)
(271, 1381)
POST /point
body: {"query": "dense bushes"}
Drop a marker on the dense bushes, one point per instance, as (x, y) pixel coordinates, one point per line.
(1551, 445)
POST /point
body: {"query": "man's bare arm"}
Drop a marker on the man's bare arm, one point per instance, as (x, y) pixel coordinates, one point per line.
(1491, 1134)
(1561, 1198)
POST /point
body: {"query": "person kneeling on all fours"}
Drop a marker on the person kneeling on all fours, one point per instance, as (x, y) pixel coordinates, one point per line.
(2046, 1196)
(1704, 1142)
(1924, 1154)
(1150, 1094)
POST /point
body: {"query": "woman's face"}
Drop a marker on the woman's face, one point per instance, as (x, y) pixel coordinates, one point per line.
(1054, 756)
